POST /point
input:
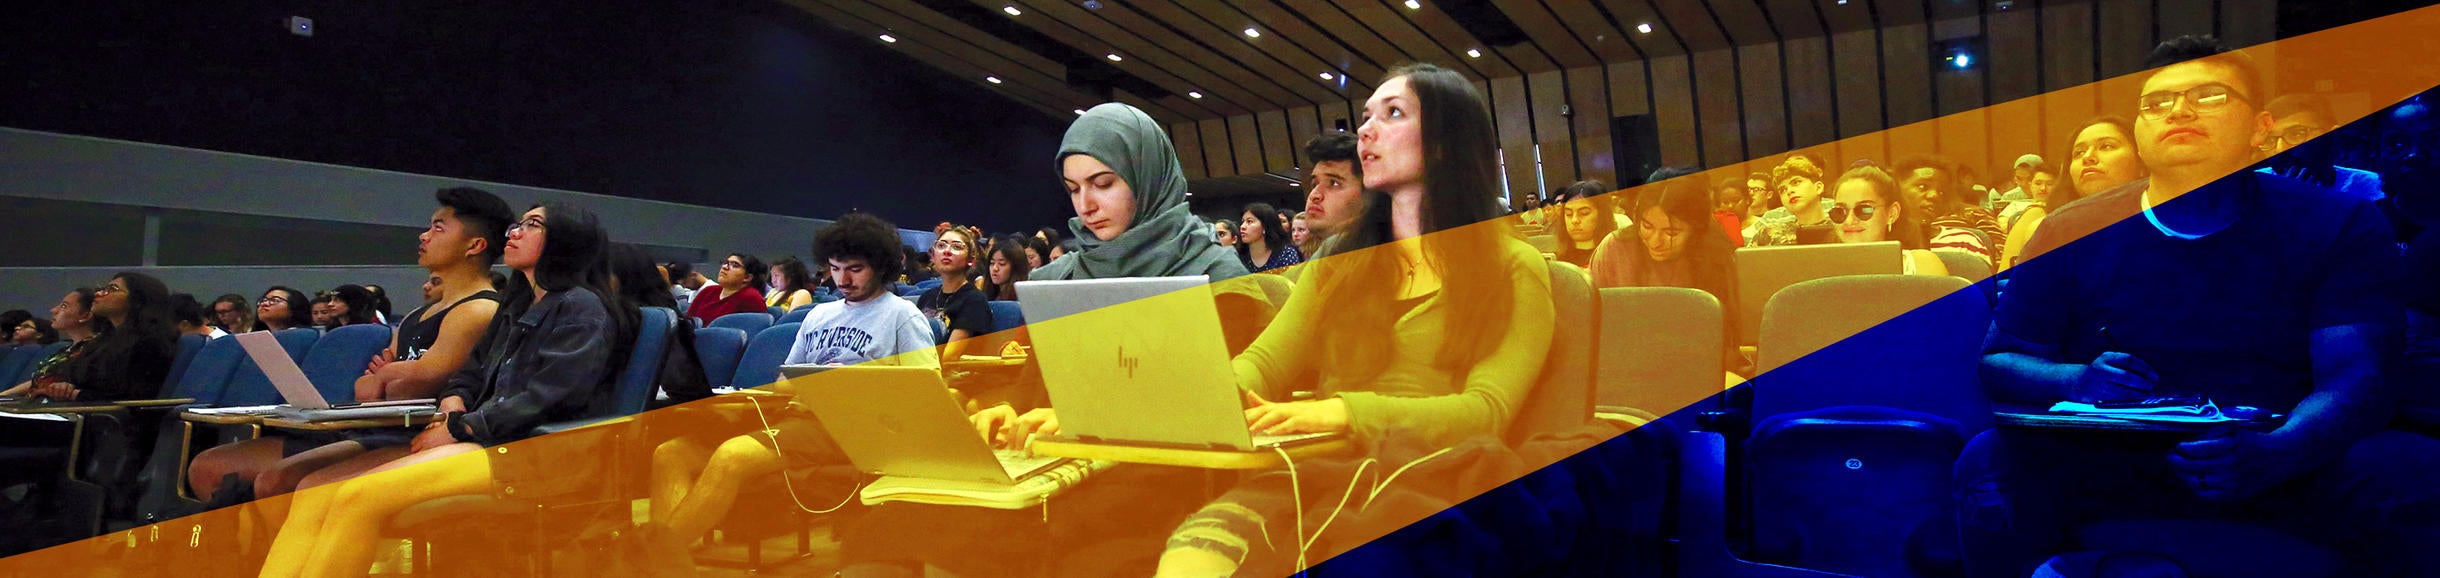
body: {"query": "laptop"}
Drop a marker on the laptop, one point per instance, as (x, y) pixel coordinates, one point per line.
(1148, 366)
(1763, 271)
(900, 421)
(306, 403)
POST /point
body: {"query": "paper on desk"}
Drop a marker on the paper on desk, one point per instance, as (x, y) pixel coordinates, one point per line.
(238, 410)
(2206, 412)
(36, 416)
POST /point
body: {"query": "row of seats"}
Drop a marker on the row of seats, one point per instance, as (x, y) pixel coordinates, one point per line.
(17, 362)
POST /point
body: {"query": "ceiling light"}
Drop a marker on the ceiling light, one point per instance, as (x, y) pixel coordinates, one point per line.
(1645, 28)
(1472, 53)
(1413, 5)
(1012, 10)
(1251, 32)
(1079, 112)
(1327, 76)
(1114, 57)
(1194, 94)
(993, 79)
(888, 38)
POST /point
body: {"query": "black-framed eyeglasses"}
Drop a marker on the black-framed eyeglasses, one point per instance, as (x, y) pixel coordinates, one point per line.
(271, 300)
(2205, 99)
(1862, 212)
(2296, 135)
(532, 224)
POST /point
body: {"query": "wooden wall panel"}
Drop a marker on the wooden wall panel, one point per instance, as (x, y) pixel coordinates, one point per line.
(2015, 56)
(1763, 85)
(1278, 150)
(1906, 73)
(1857, 56)
(1715, 91)
(2067, 44)
(1673, 111)
(1333, 112)
(2064, 112)
(2126, 36)
(1217, 160)
(1511, 110)
(2016, 130)
(1245, 143)
(1965, 138)
(1812, 105)
(1548, 91)
(2183, 17)
(1630, 93)
(1588, 94)
(1303, 125)
(1190, 149)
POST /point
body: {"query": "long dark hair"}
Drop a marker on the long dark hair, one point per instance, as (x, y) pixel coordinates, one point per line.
(1908, 229)
(360, 304)
(636, 279)
(1012, 249)
(574, 249)
(757, 274)
(1709, 255)
(2060, 196)
(1463, 235)
(1274, 235)
(300, 308)
(151, 322)
(1595, 192)
(793, 275)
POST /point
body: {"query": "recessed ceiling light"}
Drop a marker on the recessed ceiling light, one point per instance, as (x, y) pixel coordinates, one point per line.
(1114, 57)
(993, 79)
(1079, 112)
(1327, 76)
(1251, 32)
(1472, 53)
(1194, 94)
(888, 38)
(1012, 10)
(1645, 28)
(1413, 5)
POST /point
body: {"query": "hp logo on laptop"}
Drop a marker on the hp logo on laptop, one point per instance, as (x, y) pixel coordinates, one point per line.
(1129, 363)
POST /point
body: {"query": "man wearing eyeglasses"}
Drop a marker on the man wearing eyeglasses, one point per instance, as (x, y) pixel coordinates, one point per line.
(2297, 118)
(2210, 280)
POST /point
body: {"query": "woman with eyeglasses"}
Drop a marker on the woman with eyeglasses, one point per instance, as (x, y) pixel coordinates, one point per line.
(134, 338)
(1866, 209)
(740, 277)
(551, 355)
(956, 303)
(282, 308)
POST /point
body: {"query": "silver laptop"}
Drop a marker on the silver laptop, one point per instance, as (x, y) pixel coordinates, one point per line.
(1763, 271)
(901, 421)
(1148, 365)
(305, 402)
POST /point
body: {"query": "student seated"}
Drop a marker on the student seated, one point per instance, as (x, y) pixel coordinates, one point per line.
(792, 286)
(1933, 193)
(1390, 359)
(463, 238)
(1585, 219)
(956, 303)
(283, 308)
(2101, 157)
(1674, 243)
(738, 290)
(2126, 295)
(73, 321)
(1798, 182)
(134, 339)
(188, 314)
(552, 354)
(694, 480)
(31, 331)
(1867, 209)
(639, 283)
(1265, 243)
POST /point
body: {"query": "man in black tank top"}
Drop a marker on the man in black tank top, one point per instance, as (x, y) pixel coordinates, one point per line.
(459, 245)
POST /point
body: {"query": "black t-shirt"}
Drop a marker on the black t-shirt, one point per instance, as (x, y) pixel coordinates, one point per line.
(2230, 315)
(421, 329)
(966, 309)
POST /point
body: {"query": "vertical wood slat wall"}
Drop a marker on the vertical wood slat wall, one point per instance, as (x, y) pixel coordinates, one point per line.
(1724, 106)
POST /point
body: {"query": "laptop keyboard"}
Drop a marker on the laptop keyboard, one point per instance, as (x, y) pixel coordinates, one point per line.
(1018, 464)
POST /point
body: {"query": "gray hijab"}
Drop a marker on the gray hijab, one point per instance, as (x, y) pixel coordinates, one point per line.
(1165, 239)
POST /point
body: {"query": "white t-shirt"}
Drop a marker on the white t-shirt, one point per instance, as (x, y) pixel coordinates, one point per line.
(845, 333)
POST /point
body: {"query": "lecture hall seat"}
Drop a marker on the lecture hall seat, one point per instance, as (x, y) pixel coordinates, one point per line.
(747, 322)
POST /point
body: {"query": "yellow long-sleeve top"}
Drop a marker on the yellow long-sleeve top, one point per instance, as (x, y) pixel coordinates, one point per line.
(1413, 393)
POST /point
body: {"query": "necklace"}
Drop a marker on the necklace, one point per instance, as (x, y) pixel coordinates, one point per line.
(2155, 219)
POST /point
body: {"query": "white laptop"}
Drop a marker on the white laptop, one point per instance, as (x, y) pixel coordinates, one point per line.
(1147, 365)
(305, 402)
(901, 421)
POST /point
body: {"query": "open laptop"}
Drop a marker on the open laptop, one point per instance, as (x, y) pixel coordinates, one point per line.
(900, 421)
(305, 402)
(1763, 271)
(1150, 367)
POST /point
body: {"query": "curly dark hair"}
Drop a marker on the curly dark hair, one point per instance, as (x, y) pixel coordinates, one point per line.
(862, 236)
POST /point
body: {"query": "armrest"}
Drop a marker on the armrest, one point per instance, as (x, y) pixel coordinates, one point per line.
(572, 425)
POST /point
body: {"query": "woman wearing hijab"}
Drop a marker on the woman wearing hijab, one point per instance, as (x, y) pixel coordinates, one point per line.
(1129, 193)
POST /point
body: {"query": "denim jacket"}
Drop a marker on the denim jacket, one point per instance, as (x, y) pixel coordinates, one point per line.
(553, 363)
